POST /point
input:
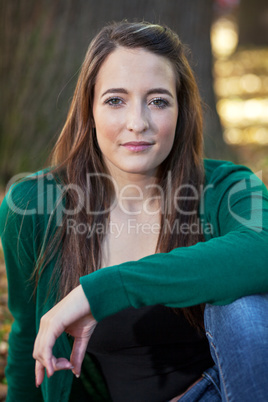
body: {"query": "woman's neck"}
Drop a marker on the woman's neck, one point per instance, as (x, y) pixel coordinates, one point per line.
(136, 193)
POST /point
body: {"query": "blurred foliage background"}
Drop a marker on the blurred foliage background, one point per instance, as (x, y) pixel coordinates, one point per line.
(43, 43)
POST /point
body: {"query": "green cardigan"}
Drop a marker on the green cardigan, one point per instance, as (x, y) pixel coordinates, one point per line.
(231, 263)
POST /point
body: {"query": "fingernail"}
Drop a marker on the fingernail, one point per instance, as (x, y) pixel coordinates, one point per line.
(77, 375)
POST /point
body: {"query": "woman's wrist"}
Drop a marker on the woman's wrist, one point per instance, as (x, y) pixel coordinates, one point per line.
(75, 304)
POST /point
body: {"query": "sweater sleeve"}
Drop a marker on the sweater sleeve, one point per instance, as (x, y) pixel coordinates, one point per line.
(232, 263)
(17, 235)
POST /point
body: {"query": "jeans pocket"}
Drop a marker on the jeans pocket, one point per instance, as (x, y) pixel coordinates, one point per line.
(205, 390)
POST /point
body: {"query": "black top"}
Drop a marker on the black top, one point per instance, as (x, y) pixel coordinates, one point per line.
(149, 354)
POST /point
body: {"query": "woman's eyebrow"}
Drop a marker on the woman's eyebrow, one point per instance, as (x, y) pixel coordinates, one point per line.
(150, 92)
(115, 90)
(160, 91)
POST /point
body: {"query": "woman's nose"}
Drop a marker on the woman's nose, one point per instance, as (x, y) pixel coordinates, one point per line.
(137, 120)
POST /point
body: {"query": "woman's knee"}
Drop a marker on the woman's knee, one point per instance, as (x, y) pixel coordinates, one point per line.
(243, 311)
(238, 338)
(242, 324)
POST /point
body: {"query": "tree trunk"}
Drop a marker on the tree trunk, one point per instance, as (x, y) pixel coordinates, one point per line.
(253, 23)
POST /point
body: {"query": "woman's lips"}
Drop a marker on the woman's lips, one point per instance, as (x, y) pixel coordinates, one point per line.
(137, 146)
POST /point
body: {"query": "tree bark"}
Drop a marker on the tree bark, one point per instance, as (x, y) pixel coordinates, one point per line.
(253, 23)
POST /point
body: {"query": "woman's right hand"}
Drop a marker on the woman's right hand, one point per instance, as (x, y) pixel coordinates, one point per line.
(72, 315)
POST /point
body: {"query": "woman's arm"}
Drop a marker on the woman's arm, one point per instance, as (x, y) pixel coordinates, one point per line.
(22, 233)
(16, 232)
(232, 264)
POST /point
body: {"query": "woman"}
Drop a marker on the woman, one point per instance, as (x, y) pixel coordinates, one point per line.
(133, 212)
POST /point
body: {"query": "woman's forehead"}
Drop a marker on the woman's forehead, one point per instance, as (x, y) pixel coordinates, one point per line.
(132, 66)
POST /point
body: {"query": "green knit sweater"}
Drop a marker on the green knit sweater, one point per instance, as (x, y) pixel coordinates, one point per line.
(231, 263)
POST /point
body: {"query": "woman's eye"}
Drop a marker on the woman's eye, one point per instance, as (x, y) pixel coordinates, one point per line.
(114, 101)
(160, 103)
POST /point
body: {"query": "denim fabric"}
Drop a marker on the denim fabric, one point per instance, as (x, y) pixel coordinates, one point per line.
(238, 338)
(206, 390)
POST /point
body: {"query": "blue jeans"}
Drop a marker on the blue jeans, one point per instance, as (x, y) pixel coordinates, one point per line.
(238, 338)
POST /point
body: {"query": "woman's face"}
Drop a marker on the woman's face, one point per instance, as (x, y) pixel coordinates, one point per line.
(135, 111)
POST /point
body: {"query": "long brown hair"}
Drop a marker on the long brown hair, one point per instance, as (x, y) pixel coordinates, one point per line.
(77, 154)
